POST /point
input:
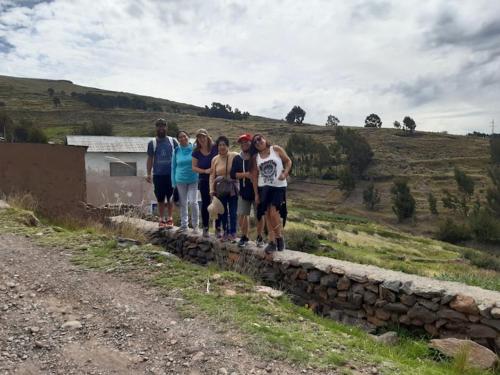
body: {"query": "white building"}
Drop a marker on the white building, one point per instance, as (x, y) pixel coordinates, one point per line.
(116, 169)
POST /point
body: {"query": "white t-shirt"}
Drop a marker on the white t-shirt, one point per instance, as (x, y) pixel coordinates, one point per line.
(270, 169)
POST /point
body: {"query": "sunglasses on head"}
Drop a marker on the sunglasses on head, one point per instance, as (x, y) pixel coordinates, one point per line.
(257, 139)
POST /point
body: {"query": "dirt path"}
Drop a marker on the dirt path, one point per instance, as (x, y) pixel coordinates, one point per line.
(115, 326)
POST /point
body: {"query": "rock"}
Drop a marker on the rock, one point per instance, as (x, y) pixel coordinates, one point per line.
(198, 357)
(369, 297)
(451, 315)
(392, 285)
(481, 331)
(229, 292)
(407, 299)
(433, 306)
(419, 312)
(72, 324)
(330, 280)
(431, 329)
(495, 312)
(269, 291)
(464, 304)
(4, 205)
(314, 276)
(396, 307)
(344, 283)
(477, 356)
(492, 323)
(382, 314)
(222, 371)
(388, 338)
(387, 295)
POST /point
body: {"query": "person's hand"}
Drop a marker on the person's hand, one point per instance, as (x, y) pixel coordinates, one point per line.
(207, 171)
(148, 178)
(282, 176)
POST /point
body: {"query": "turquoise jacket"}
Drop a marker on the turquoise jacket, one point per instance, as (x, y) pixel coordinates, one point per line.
(182, 166)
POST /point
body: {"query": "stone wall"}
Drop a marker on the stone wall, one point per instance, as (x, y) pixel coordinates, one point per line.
(364, 295)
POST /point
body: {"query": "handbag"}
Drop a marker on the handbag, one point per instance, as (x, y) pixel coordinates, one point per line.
(224, 187)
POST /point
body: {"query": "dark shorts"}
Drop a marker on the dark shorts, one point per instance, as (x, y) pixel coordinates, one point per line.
(272, 196)
(163, 187)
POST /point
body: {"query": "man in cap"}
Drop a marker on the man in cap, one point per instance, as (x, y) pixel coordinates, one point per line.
(241, 171)
(160, 151)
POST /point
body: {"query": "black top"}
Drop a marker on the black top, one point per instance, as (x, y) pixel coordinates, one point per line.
(246, 187)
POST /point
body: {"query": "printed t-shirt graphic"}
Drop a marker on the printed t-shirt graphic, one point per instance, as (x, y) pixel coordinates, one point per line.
(269, 171)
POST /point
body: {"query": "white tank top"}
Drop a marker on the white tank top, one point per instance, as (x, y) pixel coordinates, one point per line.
(270, 169)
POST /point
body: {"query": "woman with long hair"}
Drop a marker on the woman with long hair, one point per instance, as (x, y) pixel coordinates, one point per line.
(270, 168)
(186, 181)
(225, 189)
(203, 153)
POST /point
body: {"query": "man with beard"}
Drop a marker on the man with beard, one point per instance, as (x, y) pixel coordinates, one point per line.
(241, 171)
(160, 151)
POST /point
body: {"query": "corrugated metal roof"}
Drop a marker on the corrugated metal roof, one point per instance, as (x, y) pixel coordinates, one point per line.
(97, 143)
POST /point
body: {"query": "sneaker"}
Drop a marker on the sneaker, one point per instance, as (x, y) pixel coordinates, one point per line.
(243, 241)
(259, 241)
(231, 238)
(170, 223)
(219, 234)
(161, 224)
(205, 233)
(196, 231)
(271, 247)
(182, 229)
(280, 244)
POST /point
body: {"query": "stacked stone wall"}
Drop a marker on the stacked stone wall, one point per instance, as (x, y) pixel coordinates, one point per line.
(363, 295)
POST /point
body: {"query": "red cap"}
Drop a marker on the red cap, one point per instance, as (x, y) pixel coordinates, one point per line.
(245, 138)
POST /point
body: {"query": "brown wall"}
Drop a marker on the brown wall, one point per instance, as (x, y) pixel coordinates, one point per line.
(53, 174)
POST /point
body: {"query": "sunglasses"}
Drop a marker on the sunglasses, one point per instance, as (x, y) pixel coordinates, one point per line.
(257, 139)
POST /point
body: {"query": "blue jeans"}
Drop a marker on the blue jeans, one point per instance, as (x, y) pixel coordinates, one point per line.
(229, 216)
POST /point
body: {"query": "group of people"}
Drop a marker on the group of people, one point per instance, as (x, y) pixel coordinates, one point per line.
(228, 183)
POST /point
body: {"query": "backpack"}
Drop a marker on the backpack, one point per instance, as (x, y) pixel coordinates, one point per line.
(173, 143)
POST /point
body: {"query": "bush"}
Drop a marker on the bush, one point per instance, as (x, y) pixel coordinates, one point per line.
(371, 197)
(451, 232)
(301, 239)
(96, 128)
(403, 203)
(485, 227)
(432, 204)
(482, 259)
(347, 182)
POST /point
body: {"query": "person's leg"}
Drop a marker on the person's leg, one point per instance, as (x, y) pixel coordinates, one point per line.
(271, 246)
(160, 197)
(193, 204)
(276, 228)
(168, 196)
(233, 207)
(205, 202)
(223, 218)
(183, 203)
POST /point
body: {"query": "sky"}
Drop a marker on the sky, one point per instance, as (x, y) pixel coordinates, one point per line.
(437, 61)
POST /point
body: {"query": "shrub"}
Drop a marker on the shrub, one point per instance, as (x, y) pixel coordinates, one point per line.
(482, 259)
(485, 227)
(432, 204)
(301, 239)
(347, 182)
(403, 203)
(371, 196)
(451, 232)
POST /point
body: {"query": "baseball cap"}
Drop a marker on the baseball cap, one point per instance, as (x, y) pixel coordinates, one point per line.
(245, 138)
(160, 122)
(202, 132)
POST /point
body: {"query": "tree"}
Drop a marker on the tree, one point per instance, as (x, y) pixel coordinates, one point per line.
(432, 203)
(373, 121)
(464, 182)
(403, 203)
(296, 115)
(409, 124)
(97, 127)
(332, 121)
(56, 101)
(51, 91)
(173, 129)
(397, 124)
(493, 192)
(220, 110)
(347, 183)
(356, 148)
(26, 131)
(371, 197)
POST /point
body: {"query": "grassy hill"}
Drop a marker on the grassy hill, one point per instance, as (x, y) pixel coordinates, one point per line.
(427, 159)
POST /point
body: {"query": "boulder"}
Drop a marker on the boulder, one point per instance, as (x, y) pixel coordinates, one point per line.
(451, 315)
(388, 338)
(464, 304)
(419, 312)
(477, 356)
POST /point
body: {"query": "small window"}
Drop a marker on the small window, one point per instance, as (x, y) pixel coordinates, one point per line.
(122, 169)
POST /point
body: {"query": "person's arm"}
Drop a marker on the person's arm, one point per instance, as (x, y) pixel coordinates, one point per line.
(149, 163)
(174, 168)
(197, 169)
(212, 175)
(287, 162)
(235, 168)
(254, 176)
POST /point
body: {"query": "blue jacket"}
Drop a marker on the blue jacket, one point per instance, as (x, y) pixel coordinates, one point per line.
(182, 166)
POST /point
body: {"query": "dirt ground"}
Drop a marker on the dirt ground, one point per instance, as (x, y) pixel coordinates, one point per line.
(56, 318)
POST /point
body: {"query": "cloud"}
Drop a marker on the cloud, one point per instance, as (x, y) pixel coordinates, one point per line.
(227, 87)
(5, 46)
(432, 59)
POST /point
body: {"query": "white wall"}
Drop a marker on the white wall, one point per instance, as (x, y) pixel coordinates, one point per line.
(102, 188)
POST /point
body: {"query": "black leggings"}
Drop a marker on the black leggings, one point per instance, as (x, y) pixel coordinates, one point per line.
(204, 186)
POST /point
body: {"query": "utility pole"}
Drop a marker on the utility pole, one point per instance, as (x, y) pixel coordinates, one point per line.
(493, 126)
